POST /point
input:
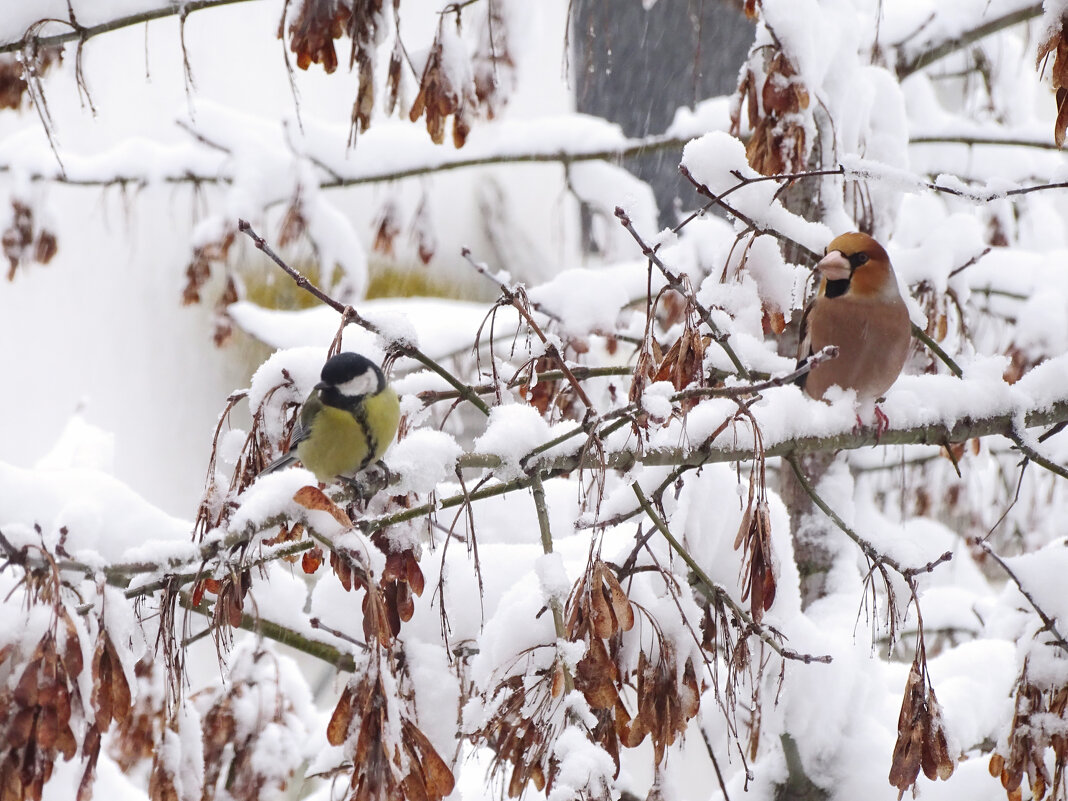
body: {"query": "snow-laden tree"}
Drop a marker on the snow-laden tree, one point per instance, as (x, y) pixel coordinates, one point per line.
(617, 552)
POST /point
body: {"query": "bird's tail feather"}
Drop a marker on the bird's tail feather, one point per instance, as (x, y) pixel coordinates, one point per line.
(279, 463)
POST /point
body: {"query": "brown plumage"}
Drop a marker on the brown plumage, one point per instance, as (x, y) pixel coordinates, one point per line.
(859, 309)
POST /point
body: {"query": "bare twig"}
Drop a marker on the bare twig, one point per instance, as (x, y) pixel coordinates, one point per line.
(970, 139)
(717, 592)
(349, 314)
(431, 396)
(874, 556)
(279, 633)
(538, 490)
(752, 225)
(517, 298)
(677, 283)
(936, 349)
(740, 390)
(1034, 456)
(1047, 621)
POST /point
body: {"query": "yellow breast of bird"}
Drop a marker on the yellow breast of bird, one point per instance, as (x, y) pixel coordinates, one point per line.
(383, 416)
(335, 446)
(339, 445)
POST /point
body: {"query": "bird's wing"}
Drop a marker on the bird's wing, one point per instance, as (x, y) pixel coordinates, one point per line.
(301, 431)
(308, 412)
(282, 461)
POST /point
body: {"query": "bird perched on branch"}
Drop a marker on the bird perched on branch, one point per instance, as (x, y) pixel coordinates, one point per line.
(858, 308)
(347, 421)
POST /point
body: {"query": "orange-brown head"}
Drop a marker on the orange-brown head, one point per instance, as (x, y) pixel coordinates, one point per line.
(856, 264)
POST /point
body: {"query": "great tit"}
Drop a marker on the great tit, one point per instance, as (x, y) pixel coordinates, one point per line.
(347, 421)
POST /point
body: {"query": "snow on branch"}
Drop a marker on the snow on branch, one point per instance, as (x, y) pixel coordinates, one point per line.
(912, 58)
(936, 431)
(80, 33)
(146, 163)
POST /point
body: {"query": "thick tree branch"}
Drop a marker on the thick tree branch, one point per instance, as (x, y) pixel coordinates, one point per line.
(937, 434)
(280, 634)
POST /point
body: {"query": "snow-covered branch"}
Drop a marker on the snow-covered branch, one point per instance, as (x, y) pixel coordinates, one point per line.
(913, 58)
(940, 432)
(189, 166)
(80, 33)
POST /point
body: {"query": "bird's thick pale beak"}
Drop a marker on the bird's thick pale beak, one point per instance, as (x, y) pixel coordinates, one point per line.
(834, 266)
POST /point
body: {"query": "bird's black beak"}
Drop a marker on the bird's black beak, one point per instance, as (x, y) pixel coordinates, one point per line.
(322, 385)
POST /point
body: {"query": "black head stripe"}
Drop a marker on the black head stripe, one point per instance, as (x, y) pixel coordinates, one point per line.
(345, 367)
(837, 288)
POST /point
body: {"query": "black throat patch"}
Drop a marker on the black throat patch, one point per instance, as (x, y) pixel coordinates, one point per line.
(331, 397)
(837, 288)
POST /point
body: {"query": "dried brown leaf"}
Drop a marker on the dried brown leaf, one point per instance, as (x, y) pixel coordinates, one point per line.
(439, 779)
(621, 606)
(337, 730)
(604, 624)
(314, 499)
(27, 689)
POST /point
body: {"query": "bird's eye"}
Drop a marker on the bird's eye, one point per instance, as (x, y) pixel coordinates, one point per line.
(858, 259)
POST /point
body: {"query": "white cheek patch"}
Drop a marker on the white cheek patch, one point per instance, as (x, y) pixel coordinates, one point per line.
(363, 384)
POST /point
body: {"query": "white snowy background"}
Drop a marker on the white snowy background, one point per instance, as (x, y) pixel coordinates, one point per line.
(113, 388)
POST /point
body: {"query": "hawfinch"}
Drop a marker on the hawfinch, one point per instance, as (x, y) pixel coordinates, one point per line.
(859, 309)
